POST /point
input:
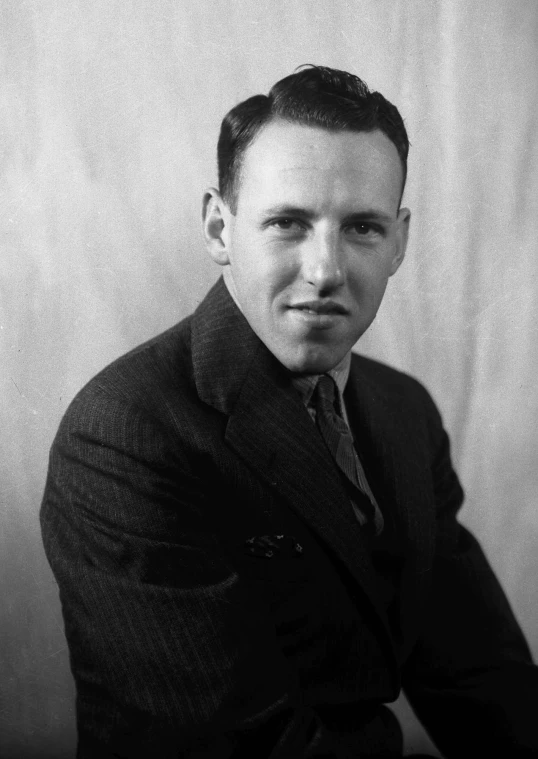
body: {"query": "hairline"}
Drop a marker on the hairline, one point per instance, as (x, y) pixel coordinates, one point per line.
(276, 117)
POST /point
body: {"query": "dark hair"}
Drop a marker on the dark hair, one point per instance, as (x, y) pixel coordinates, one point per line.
(314, 96)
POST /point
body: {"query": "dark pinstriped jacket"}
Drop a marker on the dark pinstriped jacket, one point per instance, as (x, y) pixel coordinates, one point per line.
(193, 634)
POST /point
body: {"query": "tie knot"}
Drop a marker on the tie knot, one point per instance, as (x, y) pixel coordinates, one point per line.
(326, 389)
(326, 407)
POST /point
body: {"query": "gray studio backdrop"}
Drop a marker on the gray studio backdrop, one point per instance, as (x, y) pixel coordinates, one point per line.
(108, 125)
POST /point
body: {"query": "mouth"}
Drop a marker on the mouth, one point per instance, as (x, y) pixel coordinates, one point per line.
(320, 308)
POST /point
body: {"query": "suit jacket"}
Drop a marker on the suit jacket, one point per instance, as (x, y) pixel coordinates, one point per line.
(219, 597)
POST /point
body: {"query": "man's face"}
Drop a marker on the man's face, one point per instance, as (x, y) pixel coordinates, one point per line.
(315, 237)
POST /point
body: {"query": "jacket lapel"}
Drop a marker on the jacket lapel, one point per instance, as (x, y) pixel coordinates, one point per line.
(384, 444)
(269, 428)
(395, 455)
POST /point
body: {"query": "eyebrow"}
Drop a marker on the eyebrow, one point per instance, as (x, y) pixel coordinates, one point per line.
(284, 210)
(369, 214)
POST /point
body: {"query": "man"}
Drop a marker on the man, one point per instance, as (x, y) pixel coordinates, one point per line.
(253, 530)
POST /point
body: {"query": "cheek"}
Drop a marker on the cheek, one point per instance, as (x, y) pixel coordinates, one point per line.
(273, 273)
(368, 281)
(373, 263)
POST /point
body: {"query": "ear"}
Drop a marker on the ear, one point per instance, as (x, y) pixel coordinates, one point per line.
(216, 220)
(402, 234)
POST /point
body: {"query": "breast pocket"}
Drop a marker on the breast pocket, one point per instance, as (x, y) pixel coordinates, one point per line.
(279, 575)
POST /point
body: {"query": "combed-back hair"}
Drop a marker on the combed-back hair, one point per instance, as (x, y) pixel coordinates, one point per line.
(313, 96)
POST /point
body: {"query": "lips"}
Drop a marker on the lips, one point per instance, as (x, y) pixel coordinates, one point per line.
(320, 307)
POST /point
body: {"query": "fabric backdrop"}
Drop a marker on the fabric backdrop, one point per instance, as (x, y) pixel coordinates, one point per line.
(109, 118)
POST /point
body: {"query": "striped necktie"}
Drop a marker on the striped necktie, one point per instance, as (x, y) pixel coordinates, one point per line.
(339, 441)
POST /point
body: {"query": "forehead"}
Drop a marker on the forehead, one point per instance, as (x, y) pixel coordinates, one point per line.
(289, 159)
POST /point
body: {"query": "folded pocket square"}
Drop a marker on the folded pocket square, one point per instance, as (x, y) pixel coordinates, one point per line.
(269, 546)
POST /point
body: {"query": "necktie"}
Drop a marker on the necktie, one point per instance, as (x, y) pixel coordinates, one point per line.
(339, 441)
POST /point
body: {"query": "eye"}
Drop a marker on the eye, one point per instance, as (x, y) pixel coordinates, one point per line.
(286, 224)
(364, 230)
(361, 228)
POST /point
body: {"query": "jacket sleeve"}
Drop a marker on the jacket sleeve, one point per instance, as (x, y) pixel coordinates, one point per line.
(470, 678)
(170, 655)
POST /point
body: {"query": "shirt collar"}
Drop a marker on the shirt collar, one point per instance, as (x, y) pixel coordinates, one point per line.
(305, 383)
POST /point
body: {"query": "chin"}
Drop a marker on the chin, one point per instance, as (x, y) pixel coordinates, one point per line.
(310, 362)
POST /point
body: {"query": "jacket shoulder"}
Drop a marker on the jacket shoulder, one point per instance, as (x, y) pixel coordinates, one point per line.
(141, 378)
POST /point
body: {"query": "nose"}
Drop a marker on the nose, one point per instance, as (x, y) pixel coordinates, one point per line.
(324, 262)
